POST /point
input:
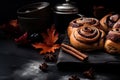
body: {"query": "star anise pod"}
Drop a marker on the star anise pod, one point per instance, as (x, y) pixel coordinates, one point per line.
(74, 77)
(89, 73)
(43, 67)
(49, 57)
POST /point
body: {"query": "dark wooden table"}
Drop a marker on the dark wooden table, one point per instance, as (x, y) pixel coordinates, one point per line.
(22, 63)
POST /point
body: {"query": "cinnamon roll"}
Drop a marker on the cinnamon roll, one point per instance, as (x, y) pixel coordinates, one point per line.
(117, 24)
(87, 38)
(76, 23)
(108, 21)
(112, 43)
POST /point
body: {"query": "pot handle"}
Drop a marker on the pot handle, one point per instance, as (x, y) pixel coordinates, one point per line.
(80, 15)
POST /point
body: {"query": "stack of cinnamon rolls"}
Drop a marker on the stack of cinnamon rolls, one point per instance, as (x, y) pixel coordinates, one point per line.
(89, 34)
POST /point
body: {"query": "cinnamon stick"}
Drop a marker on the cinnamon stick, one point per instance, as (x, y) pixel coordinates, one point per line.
(74, 52)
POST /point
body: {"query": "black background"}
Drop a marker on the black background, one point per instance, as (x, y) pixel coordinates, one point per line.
(8, 8)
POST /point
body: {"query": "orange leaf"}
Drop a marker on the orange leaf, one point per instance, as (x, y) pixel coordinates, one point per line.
(49, 40)
(13, 23)
(51, 37)
(46, 48)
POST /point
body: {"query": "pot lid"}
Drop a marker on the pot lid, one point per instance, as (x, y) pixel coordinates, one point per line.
(32, 7)
(66, 8)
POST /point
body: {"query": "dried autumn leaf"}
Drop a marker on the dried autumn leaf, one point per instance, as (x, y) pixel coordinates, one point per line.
(13, 23)
(49, 40)
(51, 37)
(22, 39)
(45, 48)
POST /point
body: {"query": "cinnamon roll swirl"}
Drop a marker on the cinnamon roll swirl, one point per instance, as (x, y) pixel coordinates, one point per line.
(76, 23)
(87, 38)
(108, 21)
(112, 43)
(117, 24)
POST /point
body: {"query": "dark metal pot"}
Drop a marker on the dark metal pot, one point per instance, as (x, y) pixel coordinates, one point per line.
(63, 14)
(33, 24)
(34, 10)
(35, 17)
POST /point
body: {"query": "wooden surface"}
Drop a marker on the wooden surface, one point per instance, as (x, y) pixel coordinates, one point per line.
(97, 59)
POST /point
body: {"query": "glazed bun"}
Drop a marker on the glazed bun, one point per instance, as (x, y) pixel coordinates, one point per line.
(76, 23)
(87, 38)
(112, 43)
(108, 21)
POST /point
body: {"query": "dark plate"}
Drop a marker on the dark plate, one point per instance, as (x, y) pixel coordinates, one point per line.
(100, 60)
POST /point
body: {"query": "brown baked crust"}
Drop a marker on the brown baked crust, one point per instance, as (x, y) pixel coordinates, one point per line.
(112, 47)
(117, 24)
(76, 23)
(112, 43)
(87, 38)
(108, 21)
(73, 25)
